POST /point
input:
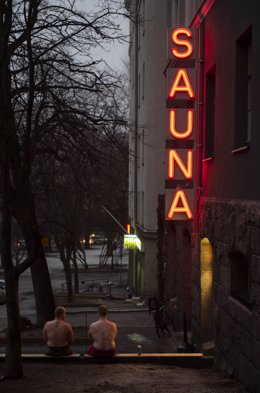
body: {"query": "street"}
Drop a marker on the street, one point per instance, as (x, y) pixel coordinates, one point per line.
(27, 303)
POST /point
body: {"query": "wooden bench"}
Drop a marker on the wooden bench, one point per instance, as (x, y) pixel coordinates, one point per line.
(197, 360)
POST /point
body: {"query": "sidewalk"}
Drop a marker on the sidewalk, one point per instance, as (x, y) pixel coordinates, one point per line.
(136, 325)
(118, 378)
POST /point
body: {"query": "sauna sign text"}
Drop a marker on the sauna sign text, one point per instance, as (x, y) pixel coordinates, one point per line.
(180, 142)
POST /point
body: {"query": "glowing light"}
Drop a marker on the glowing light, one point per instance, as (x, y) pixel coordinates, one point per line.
(186, 170)
(185, 87)
(179, 189)
(181, 42)
(132, 242)
(128, 228)
(179, 134)
(179, 197)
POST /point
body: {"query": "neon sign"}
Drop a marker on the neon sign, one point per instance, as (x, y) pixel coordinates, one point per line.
(131, 242)
(181, 83)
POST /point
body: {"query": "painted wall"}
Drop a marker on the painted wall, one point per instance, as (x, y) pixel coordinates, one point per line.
(230, 204)
(147, 96)
(232, 175)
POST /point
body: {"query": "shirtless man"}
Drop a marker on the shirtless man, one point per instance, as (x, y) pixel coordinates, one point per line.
(103, 334)
(58, 334)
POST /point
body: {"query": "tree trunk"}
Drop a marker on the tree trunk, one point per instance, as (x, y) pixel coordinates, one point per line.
(68, 276)
(23, 211)
(14, 367)
(44, 299)
(65, 256)
(76, 272)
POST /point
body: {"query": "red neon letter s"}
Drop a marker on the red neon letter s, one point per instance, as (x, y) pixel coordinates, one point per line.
(186, 44)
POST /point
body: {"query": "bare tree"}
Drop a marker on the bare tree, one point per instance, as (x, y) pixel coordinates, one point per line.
(45, 61)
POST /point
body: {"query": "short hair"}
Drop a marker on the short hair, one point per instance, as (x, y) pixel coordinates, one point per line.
(60, 312)
(103, 310)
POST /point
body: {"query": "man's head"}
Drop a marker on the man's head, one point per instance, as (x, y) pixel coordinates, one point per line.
(60, 312)
(103, 310)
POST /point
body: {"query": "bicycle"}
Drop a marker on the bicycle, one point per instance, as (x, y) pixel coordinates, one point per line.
(161, 315)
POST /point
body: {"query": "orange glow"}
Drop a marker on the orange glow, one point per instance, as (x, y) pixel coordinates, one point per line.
(174, 156)
(177, 41)
(128, 228)
(177, 134)
(179, 196)
(177, 87)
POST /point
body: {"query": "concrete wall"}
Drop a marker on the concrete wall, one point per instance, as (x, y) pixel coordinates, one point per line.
(147, 139)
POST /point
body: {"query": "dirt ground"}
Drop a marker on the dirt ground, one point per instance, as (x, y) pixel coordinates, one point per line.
(118, 378)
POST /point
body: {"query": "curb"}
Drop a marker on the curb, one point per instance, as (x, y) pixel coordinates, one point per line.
(176, 359)
(111, 310)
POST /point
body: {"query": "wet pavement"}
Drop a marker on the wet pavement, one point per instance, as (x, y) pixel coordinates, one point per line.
(135, 324)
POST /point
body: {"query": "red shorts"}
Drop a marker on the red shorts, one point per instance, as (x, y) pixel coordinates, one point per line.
(97, 353)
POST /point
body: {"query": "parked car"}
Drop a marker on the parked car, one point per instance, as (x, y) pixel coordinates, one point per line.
(97, 240)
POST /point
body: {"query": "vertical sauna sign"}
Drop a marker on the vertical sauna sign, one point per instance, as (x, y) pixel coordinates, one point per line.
(180, 143)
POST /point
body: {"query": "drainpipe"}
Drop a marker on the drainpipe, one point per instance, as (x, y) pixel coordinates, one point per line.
(200, 120)
(136, 114)
(199, 183)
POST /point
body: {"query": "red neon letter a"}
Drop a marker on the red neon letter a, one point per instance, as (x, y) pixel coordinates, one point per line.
(178, 87)
(184, 208)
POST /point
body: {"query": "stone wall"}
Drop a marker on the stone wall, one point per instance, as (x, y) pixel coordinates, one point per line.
(235, 225)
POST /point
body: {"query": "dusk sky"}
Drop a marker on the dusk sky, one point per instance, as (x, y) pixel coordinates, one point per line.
(116, 54)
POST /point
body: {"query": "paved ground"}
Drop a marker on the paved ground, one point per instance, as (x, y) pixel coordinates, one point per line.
(118, 378)
(136, 327)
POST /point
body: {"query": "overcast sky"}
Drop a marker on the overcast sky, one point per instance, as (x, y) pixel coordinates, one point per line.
(115, 53)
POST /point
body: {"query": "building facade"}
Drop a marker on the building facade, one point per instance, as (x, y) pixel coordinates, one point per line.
(210, 263)
(230, 194)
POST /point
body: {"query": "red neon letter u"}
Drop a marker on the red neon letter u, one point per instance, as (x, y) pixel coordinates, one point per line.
(178, 134)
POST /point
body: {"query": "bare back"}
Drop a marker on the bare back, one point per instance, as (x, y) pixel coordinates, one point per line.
(103, 333)
(58, 333)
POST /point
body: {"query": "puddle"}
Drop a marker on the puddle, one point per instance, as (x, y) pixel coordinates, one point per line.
(138, 338)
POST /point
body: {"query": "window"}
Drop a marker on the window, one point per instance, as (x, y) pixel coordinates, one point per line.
(142, 208)
(174, 10)
(139, 90)
(181, 13)
(209, 132)
(143, 17)
(170, 17)
(138, 150)
(142, 148)
(243, 124)
(177, 12)
(143, 81)
(240, 283)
